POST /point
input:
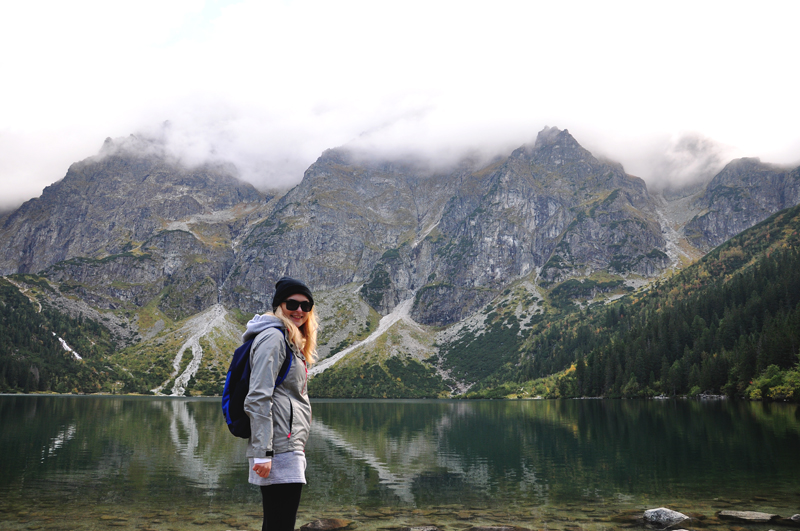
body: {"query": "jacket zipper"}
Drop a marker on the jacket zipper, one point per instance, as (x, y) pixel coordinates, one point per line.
(291, 418)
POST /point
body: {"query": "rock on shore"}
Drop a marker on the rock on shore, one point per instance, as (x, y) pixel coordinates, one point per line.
(664, 517)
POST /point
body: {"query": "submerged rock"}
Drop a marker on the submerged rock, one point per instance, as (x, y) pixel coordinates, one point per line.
(664, 517)
(326, 524)
(626, 517)
(792, 521)
(747, 516)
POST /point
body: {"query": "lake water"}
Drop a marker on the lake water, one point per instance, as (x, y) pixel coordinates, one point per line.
(164, 463)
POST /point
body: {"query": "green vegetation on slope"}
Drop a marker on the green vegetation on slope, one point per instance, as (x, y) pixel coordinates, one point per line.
(729, 320)
(393, 379)
(31, 356)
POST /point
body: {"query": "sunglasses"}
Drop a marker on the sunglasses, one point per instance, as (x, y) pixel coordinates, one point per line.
(292, 305)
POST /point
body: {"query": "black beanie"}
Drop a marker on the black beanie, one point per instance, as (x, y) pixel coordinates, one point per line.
(287, 287)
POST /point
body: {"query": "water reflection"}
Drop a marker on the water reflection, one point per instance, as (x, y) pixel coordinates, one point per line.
(203, 454)
(512, 457)
(554, 451)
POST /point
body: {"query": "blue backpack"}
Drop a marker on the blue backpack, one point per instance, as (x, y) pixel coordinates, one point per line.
(237, 385)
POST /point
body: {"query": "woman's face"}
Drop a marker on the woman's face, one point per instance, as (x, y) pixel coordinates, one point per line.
(297, 316)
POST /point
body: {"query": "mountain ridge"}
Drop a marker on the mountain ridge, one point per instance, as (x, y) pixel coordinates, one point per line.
(136, 235)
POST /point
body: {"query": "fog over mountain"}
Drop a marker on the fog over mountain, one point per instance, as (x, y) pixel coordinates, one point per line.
(270, 85)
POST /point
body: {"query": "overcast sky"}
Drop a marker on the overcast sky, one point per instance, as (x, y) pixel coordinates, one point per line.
(666, 88)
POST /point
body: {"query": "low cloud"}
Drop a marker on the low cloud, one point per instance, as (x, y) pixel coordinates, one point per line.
(269, 85)
(686, 161)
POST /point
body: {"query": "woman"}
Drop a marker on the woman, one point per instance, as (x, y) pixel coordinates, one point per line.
(280, 415)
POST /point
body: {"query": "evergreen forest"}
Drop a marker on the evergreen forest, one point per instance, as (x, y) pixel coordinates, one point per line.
(33, 359)
(729, 324)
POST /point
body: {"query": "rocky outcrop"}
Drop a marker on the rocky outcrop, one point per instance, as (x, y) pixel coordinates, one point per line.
(745, 192)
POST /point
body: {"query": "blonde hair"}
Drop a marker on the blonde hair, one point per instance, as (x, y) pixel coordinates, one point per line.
(305, 337)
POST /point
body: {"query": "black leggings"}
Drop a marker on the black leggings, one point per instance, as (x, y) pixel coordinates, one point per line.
(280, 506)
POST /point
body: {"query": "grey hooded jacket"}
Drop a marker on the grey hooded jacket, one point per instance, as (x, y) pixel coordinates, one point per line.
(280, 417)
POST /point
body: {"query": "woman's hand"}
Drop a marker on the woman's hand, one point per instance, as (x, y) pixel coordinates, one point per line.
(263, 469)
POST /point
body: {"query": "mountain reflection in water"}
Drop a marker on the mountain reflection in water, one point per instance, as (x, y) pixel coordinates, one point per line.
(511, 462)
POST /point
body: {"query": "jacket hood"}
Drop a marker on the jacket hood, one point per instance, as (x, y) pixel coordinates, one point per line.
(259, 323)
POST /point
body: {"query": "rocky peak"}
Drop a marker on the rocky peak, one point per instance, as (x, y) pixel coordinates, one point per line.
(745, 171)
(553, 147)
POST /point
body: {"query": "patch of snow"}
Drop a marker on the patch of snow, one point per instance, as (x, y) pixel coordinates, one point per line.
(67, 348)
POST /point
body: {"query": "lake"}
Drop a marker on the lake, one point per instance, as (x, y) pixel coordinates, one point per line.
(93, 462)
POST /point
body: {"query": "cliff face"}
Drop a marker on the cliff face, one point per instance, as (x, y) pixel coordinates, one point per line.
(550, 208)
(744, 193)
(336, 224)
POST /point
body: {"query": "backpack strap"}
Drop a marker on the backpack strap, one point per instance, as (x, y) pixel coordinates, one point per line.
(287, 364)
(287, 361)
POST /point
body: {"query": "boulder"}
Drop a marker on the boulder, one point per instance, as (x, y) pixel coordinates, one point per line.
(747, 516)
(664, 517)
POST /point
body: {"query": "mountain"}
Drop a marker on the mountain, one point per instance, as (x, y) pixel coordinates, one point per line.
(452, 240)
(422, 271)
(129, 224)
(745, 192)
(729, 323)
